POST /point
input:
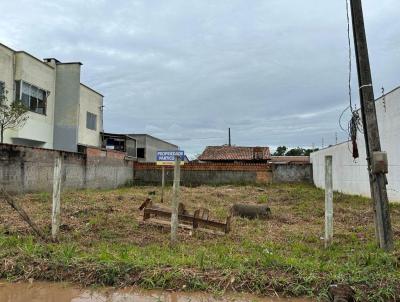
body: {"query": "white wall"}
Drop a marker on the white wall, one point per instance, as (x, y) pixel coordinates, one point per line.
(6, 70)
(351, 176)
(90, 101)
(21, 66)
(38, 127)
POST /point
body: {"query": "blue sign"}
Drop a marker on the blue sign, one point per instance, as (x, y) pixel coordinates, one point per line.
(167, 158)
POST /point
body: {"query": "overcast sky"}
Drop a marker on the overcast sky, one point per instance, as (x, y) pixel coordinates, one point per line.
(183, 70)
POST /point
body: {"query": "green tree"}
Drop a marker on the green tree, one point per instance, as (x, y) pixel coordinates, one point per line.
(300, 152)
(295, 152)
(280, 151)
(307, 152)
(12, 116)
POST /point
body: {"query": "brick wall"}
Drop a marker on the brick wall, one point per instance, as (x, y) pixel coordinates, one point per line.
(26, 169)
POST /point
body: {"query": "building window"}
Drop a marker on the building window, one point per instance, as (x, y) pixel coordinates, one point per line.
(91, 121)
(34, 98)
(140, 152)
(2, 89)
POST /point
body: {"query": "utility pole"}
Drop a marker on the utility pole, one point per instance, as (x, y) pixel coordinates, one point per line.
(377, 179)
(229, 136)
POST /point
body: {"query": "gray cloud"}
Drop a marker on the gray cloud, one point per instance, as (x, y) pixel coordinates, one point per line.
(274, 71)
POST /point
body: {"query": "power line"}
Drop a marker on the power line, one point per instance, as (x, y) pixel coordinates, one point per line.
(354, 124)
(350, 52)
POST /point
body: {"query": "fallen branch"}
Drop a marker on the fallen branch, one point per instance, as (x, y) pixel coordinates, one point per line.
(10, 200)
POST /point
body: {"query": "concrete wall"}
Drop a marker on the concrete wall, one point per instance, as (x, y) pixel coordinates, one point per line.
(222, 174)
(24, 169)
(90, 101)
(205, 174)
(351, 176)
(292, 173)
(66, 115)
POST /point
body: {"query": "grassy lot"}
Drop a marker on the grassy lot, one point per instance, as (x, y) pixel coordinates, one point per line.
(102, 243)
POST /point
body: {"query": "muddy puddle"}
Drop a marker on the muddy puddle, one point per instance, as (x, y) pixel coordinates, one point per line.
(59, 292)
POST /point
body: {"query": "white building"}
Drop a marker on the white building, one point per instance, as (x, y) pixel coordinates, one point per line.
(63, 112)
(351, 176)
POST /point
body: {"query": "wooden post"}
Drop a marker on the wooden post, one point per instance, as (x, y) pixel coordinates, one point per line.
(162, 184)
(378, 180)
(55, 215)
(328, 201)
(175, 200)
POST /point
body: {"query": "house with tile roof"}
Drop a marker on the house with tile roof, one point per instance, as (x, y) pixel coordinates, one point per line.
(233, 154)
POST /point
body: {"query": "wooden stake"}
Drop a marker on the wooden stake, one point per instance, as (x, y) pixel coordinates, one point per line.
(22, 213)
(328, 202)
(162, 184)
(55, 215)
(175, 200)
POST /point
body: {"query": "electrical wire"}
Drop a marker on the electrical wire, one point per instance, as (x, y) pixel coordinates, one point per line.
(350, 106)
(354, 125)
(350, 52)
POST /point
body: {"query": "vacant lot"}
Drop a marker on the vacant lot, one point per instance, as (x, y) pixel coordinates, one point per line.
(103, 243)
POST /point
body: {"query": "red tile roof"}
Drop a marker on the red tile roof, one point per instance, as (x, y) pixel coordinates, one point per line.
(221, 153)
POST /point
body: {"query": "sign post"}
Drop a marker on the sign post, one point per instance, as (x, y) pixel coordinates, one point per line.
(176, 159)
(162, 184)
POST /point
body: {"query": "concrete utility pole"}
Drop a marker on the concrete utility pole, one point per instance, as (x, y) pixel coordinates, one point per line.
(229, 136)
(175, 200)
(370, 124)
(328, 201)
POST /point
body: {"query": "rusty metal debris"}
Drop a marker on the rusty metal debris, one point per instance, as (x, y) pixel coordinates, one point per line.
(199, 220)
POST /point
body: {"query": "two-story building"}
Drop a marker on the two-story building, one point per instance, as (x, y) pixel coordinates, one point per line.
(63, 112)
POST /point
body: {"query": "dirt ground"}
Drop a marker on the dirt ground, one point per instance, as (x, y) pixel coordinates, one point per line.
(88, 215)
(286, 242)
